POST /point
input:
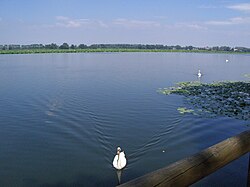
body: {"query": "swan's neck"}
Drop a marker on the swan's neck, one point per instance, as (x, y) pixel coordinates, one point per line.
(118, 158)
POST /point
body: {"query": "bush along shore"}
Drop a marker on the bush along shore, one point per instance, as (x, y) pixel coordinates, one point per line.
(66, 48)
(89, 50)
(230, 99)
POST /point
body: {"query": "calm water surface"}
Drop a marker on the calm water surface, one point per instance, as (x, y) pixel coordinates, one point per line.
(63, 115)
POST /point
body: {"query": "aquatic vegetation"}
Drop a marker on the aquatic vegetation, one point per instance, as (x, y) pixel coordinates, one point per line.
(219, 98)
(184, 110)
(247, 75)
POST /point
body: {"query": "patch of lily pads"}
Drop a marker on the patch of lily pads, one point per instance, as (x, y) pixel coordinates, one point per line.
(230, 99)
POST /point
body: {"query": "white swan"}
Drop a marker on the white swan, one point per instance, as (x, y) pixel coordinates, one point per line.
(120, 160)
(199, 73)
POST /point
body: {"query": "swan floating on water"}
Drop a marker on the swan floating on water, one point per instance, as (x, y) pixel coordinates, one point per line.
(227, 60)
(120, 160)
(199, 73)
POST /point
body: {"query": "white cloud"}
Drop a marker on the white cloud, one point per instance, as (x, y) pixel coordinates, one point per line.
(232, 21)
(102, 24)
(70, 23)
(62, 18)
(67, 22)
(187, 25)
(241, 7)
(136, 24)
(219, 22)
(194, 26)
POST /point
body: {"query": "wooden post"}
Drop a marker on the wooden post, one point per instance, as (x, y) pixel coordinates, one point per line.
(190, 170)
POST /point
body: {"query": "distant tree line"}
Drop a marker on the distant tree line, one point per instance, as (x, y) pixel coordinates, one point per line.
(122, 46)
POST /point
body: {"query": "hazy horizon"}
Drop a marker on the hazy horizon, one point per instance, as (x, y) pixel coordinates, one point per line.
(196, 23)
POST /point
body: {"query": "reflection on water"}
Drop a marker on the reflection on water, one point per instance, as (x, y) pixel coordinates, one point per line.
(119, 175)
(63, 115)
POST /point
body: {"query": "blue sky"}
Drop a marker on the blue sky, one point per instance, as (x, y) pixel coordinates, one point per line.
(168, 22)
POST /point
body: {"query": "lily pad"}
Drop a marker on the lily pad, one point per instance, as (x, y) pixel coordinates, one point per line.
(184, 110)
(247, 75)
(219, 98)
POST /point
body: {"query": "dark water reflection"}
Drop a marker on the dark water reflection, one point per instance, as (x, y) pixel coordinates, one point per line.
(63, 115)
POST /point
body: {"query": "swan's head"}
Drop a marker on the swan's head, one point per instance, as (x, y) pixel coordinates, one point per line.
(118, 150)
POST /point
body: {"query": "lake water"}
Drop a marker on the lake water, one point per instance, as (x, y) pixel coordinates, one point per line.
(63, 115)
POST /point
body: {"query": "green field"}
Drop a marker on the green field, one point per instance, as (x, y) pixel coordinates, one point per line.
(33, 51)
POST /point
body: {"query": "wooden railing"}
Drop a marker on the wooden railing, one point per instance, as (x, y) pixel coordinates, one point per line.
(190, 170)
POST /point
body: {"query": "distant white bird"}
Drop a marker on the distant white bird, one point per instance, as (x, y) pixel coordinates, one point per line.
(120, 160)
(227, 60)
(199, 73)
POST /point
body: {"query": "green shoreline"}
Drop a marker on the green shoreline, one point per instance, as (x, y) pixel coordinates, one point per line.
(35, 51)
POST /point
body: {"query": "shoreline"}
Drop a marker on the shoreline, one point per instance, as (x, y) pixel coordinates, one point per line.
(114, 50)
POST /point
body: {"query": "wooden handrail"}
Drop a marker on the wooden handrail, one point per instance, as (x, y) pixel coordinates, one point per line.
(190, 170)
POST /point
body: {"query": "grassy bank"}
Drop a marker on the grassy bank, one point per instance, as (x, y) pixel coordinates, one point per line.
(33, 51)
